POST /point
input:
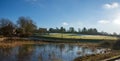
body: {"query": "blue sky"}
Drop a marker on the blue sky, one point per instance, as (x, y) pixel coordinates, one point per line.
(101, 14)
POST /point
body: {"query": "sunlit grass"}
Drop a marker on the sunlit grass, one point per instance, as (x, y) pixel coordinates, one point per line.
(73, 36)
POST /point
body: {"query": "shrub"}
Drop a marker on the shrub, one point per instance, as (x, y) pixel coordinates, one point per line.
(116, 45)
(106, 44)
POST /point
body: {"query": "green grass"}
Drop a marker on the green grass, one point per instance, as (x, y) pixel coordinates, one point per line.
(73, 36)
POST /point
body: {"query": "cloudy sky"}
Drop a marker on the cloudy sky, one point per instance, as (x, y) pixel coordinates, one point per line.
(101, 14)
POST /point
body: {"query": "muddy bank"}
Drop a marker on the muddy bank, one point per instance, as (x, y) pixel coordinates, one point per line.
(14, 41)
(23, 42)
(98, 57)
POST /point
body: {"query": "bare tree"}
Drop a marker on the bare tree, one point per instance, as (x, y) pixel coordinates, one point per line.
(6, 27)
(26, 26)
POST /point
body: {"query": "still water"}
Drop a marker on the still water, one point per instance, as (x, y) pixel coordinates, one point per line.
(45, 52)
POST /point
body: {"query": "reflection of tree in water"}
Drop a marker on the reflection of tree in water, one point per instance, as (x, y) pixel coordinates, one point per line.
(49, 53)
(53, 56)
(62, 47)
(5, 54)
(83, 51)
(70, 48)
(40, 57)
(25, 53)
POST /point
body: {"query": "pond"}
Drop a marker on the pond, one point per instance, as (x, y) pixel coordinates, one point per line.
(45, 52)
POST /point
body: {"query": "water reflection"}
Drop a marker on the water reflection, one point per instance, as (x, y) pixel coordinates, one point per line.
(44, 52)
(25, 53)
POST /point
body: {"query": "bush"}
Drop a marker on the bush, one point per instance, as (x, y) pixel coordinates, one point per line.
(116, 45)
(106, 44)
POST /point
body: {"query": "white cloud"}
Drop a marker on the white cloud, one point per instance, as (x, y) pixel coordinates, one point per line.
(65, 24)
(117, 19)
(117, 22)
(111, 6)
(103, 21)
(111, 25)
(110, 28)
(114, 21)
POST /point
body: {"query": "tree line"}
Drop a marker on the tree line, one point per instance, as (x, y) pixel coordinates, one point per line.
(25, 26)
(87, 31)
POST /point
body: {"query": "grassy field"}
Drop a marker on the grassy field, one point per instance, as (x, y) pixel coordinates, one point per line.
(76, 36)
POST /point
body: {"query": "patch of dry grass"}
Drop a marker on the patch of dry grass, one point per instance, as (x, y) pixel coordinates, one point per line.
(6, 44)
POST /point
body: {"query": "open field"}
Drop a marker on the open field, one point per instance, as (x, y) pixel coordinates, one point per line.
(77, 36)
